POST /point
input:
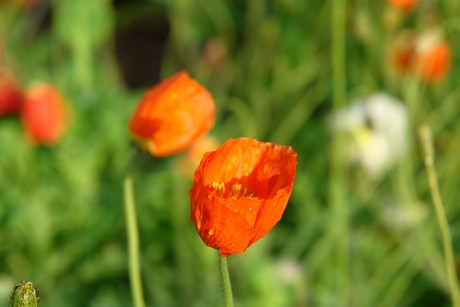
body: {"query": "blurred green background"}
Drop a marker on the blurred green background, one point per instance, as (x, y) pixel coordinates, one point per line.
(345, 239)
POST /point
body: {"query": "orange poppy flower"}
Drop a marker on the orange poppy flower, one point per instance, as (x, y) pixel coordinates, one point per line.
(434, 64)
(27, 4)
(240, 192)
(172, 115)
(427, 56)
(403, 52)
(10, 95)
(43, 114)
(404, 5)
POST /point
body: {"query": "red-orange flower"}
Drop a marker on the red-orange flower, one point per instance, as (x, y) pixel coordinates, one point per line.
(240, 192)
(27, 4)
(43, 114)
(427, 55)
(10, 95)
(404, 5)
(434, 64)
(403, 52)
(172, 115)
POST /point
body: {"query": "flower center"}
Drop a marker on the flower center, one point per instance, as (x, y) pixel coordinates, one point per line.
(236, 190)
(219, 188)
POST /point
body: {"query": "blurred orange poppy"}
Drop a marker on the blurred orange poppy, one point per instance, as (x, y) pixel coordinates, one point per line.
(240, 192)
(10, 95)
(186, 163)
(43, 114)
(172, 115)
(435, 62)
(427, 55)
(27, 4)
(403, 52)
(404, 5)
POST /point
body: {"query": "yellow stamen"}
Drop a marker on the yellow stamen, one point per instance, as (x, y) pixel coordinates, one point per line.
(219, 188)
(237, 191)
(248, 192)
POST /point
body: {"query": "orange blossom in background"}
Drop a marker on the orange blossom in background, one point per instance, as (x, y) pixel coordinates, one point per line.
(187, 163)
(403, 5)
(43, 114)
(403, 52)
(427, 55)
(26, 4)
(172, 115)
(434, 63)
(10, 95)
(240, 192)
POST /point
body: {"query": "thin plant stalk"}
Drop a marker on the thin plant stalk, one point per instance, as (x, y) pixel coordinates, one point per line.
(133, 243)
(226, 284)
(337, 186)
(428, 154)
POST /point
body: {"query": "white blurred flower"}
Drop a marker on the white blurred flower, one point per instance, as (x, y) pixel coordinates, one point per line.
(376, 132)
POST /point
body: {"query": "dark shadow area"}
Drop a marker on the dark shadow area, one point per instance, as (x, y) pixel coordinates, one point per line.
(140, 37)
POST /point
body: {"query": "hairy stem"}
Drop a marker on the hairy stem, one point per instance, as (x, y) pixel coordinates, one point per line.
(228, 295)
(133, 243)
(428, 153)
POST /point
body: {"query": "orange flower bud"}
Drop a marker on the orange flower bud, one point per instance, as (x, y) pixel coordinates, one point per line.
(240, 192)
(403, 5)
(43, 114)
(172, 115)
(10, 95)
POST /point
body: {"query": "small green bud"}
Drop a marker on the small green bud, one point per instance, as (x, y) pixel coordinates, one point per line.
(24, 295)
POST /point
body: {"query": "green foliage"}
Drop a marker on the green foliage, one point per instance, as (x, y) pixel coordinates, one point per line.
(268, 65)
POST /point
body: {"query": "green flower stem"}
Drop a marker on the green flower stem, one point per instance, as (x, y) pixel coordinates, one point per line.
(428, 153)
(133, 243)
(337, 182)
(228, 295)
